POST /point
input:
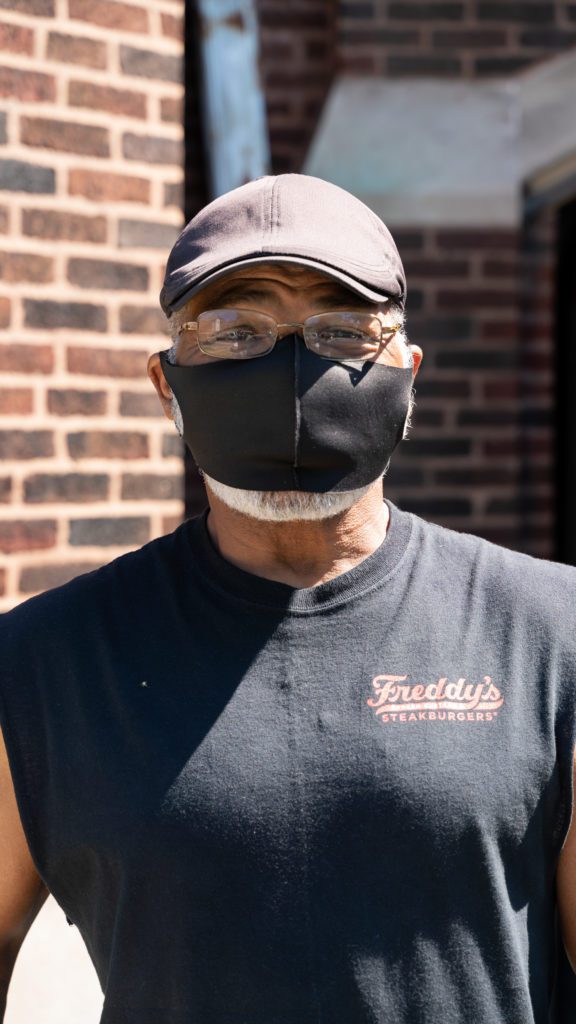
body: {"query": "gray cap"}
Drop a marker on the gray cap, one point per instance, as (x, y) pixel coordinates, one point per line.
(288, 217)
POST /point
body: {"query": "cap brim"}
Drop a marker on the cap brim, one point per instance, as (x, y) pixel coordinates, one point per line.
(254, 261)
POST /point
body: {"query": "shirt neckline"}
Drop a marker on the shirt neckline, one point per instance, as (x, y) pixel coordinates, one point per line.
(247, 587)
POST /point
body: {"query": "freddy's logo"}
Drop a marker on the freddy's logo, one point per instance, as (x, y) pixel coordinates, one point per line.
(396, 701)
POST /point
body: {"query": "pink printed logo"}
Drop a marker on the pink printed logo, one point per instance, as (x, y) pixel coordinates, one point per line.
(442, 701)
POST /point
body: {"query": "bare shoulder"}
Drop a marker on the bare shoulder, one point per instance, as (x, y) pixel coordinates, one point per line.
(22, 890)
(566, 886)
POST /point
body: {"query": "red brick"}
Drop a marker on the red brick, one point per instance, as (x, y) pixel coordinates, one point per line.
(172, 26)
(20, 400)
(485, 66)
(426, 11)
(27, 534)
(166, 67)
(293, 17)
(472, 477)
(66, 136)
(172, 110)
(142, 486)
(172, 445)
(469, 38)
(35, 579)
(72, 402)
(147, 234)
(107, 14)
(174, 195)
(66, 487)
(137, 404)
(42, 8)
(425, 65)
(16, 39)
(27, 86)
(477, 239)
(114, 444)
(503, 330)
(507, 447)
(26, 444)
(5, 311)
(83, 316)
(61, 225)
(21, 176)
(105, 97)
(500, 10)
(170, 523)
(419, 267)
(102, 185)
(108, 275)
(106, 532)
(152, 149)
(107, 362)
(26, 266)
(477, 299)
(142, 320)
(501, 268)
(499, 389)
(77, 50)
(20, 358)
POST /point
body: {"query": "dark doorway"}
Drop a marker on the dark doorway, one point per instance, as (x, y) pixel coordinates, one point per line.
(196, 194)
(566, 386)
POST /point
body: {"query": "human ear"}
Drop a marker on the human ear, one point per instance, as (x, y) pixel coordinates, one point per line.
(163, 389)
(417, 355)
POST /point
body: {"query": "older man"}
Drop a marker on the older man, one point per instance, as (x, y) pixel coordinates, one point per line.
(308, 758)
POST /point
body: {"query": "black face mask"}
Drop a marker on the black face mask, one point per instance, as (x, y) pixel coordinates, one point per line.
(291, 420)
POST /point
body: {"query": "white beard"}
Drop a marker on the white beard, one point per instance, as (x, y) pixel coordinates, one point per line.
(284, 506)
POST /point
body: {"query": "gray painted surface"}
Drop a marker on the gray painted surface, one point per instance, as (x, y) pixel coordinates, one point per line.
(234, 105)
(449, 152)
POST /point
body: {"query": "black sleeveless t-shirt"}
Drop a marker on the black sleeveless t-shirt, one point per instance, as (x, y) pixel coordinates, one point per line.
(334, 805)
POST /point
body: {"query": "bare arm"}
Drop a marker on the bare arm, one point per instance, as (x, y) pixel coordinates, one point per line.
(566, 887)
(22, 891)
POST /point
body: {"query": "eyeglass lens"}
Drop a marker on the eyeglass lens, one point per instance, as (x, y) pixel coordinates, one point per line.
(247, 334)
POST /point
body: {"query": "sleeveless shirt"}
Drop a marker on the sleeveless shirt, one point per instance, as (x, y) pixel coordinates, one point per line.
(334, 805)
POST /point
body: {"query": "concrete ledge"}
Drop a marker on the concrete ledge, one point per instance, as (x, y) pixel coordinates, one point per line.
(449, 153)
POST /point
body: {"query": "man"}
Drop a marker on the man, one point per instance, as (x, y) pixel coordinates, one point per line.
(308, 758)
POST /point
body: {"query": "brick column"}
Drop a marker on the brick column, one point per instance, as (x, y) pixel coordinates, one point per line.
(90, 202)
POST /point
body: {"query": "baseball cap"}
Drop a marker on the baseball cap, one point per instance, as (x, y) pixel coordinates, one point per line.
(286, 217)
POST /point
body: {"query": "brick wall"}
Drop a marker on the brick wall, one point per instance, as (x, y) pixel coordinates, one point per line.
(451, 38)
(299, 57)
(90, 201)
(481, 303)
(481, 455)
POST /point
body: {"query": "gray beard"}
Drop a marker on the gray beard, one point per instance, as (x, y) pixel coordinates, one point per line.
(284, 506)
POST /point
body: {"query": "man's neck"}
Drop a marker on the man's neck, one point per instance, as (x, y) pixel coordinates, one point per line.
(300, 553)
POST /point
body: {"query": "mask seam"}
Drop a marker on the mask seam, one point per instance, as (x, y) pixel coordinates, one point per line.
(297, 412)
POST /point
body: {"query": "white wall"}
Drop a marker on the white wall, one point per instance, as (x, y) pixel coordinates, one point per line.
(54, 981)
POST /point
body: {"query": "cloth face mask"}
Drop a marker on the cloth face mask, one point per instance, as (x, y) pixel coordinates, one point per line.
(291, 420)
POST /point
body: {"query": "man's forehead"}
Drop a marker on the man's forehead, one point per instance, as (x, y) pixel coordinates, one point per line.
(257, 281)
(289, 272)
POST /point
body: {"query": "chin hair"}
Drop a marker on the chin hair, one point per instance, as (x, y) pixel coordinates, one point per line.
(284, 506)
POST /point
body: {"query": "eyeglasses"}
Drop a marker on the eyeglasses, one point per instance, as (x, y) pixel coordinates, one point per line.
(248, 334)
